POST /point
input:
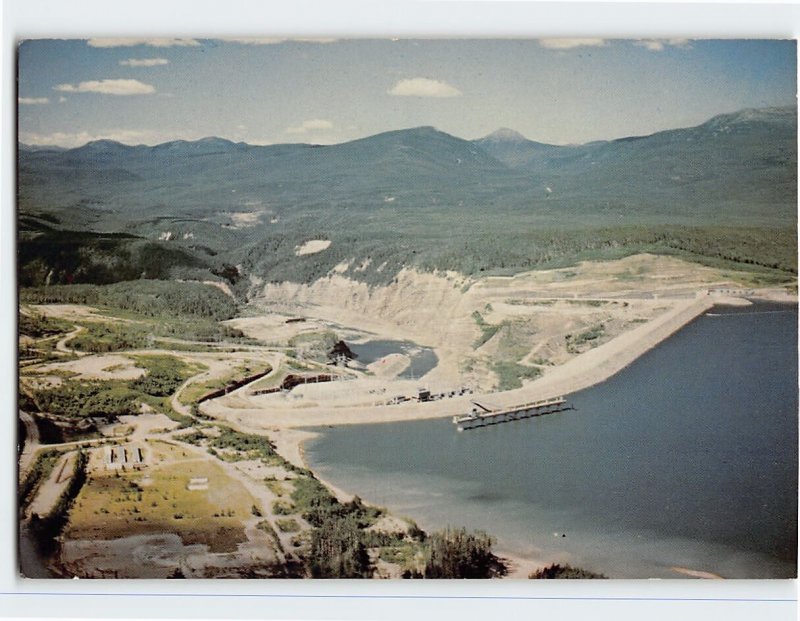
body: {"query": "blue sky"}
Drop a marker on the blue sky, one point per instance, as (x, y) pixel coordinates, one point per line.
(267, 91)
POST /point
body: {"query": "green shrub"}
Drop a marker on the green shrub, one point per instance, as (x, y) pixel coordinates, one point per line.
(459, 554)
(163, 377)
(337, 551)
(487, 330)
(511, 374)
(249, 445)
(37, 325)
(288, 525)
(281, 507)
(556, 571)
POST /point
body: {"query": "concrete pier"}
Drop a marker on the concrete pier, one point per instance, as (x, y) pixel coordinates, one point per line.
(481, 416)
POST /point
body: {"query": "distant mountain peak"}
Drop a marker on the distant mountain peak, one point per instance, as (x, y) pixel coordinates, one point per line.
(504, 134)
(413, 134)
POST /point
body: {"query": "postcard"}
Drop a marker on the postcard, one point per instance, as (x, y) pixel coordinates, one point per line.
(407, 308)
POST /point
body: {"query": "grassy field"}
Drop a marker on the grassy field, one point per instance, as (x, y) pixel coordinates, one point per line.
(121, 504)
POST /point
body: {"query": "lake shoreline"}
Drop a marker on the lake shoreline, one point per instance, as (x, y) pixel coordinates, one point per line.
(290, 443)
(710, 559)
(586, 370)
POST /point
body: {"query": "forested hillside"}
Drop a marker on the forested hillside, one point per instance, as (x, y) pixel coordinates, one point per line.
(723, 192)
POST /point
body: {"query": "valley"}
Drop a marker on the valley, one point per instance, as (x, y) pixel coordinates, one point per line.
(193, 314)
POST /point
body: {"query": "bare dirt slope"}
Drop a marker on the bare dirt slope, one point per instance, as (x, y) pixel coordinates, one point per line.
(572, 326)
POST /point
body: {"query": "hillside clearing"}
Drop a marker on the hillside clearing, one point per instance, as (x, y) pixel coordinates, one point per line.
(312, 246)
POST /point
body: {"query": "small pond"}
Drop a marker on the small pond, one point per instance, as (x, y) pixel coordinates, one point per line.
(423, 359)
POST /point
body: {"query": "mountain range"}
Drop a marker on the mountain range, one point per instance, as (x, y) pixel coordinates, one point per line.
(738, 169)
(741, 164)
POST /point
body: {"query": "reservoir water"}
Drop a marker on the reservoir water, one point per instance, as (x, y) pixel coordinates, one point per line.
(687, 458)
(421, 359)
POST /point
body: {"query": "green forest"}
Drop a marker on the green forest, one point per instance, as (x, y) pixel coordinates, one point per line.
(508, 247)
(150, 298)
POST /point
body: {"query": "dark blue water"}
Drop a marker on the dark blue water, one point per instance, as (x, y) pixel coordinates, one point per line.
(422, 359)
(686, 458)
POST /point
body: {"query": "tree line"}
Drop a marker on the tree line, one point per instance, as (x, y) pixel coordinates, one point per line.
(151, 298)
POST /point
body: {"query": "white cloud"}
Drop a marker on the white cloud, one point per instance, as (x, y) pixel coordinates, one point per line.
(312, 125)
(108, 87)
(59, 139)
(658, 45)
(274, 40)
(144, 62)
(126, 136)
(62, 99)
(254, 41)
(33, 100)
(654, 45)
(423, 87)
(123, 42)
(568, 44)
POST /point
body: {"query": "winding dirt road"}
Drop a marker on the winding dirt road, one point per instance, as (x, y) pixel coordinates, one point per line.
(31, 443)
(62, 342)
